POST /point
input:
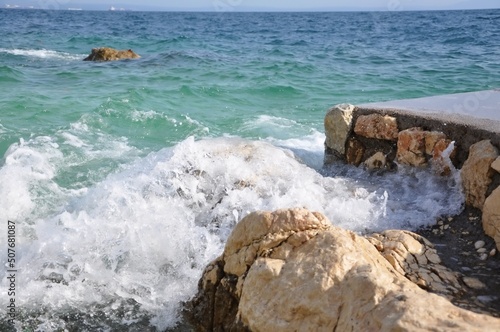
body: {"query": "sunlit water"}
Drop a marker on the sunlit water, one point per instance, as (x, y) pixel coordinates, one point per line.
(125, 178)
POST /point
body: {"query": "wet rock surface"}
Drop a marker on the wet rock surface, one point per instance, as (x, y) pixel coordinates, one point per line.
(110, 54)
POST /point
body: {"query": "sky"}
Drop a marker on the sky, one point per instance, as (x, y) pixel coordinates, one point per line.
(258, 5)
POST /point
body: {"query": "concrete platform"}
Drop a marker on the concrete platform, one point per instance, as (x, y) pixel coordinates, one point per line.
(480, 109)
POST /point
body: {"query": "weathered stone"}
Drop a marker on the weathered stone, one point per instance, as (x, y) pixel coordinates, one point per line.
(411, 147)
(491, 216)
(377, 126)
(110, 54)
(476, 172)
(415, 258)
(377, 161)
(326, 279)
(355, 152)
(338, 123)
(473, 283)
(496, 165)
(431, 138)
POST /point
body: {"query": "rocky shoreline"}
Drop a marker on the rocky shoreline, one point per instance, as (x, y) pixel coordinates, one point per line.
(292, 269)
(455, 239)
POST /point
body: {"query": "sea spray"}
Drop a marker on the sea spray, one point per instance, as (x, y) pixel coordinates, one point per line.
(130, 249)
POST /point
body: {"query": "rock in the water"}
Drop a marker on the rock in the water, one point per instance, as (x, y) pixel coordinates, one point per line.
(110, 54)
(491, 216)
(291, 270)
(476, 172)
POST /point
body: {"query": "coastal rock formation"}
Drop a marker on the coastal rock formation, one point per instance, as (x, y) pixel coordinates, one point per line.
(416, 259)
(291, 270)
(338, 125)
(491, 216)
(476, 172)
(110, 54)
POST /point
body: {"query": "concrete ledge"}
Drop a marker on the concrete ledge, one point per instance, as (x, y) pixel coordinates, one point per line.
(458, 131)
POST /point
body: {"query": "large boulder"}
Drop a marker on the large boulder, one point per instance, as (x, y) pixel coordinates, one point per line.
(477, 173)
(338, 122)
(110, 54)
(491, 216)
(291, 270)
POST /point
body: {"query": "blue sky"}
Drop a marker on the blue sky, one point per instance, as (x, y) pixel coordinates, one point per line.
(244, 5)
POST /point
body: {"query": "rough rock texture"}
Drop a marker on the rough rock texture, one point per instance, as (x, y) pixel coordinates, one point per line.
(377, 161)
(110, 54)
(411, 147)
(415, 258)
(431, 139)
(491, 216)
(355, 152)
(377, 126)
(290, 270)
(338, 122)
(476, 172)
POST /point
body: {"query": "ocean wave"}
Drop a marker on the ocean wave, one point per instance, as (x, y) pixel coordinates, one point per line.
(137, 240)
(43, 54)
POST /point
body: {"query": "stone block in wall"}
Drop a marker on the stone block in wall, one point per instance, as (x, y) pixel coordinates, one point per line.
(355, 152)
(431, 138)
(377, 161)
(491, 216)
(377, 126)
(477, 173)
(338, 123)
(411, 147)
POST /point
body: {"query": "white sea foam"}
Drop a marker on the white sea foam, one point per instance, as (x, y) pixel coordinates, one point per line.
(43, 54)
(146, 231)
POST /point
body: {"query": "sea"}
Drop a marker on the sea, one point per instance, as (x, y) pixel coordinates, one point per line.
(120, 181)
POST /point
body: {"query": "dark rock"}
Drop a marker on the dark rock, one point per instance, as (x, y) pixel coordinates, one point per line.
(110, 54)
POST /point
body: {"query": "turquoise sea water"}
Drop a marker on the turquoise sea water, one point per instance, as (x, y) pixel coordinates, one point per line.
(125, 178)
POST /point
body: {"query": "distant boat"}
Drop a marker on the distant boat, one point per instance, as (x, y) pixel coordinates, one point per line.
(112, 8)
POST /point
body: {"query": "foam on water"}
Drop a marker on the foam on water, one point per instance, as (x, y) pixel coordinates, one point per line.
(43, 54)
(129, 249)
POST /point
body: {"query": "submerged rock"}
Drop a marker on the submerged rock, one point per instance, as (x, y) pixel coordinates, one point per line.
(291, 270)
(110, 54)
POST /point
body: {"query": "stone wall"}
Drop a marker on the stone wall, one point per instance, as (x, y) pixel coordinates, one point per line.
(384, 139)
